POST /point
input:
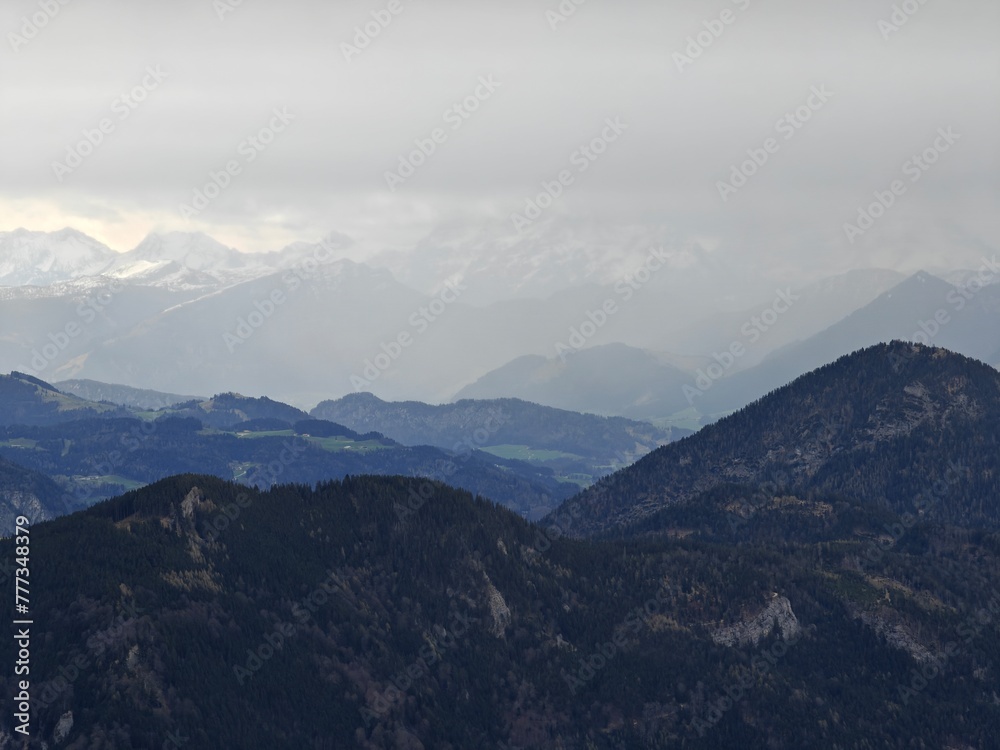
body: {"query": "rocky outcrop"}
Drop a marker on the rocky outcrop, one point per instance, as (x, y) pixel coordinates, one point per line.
(499, 611)
(14, 503)
(777, 614)
(63, 727)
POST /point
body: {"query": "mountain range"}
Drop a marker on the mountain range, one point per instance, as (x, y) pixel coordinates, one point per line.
(94, 450)
(582, 446)
(183, 313)
(520, 454)
(923, 308)
(816, 570)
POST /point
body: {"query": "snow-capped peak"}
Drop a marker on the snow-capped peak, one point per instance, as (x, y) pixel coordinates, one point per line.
(193, 250)
(44, 258)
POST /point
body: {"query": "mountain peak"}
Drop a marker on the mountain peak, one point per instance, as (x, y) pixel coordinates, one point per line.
(868, 414)
(194, 250)
(44, 258)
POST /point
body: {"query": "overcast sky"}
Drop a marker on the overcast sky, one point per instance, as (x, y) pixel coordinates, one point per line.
(353, 120)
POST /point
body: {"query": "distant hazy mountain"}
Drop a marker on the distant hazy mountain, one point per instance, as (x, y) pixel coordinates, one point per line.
(818, 306)
(137, 398)
(884, 426)
(609, 380)
(908, 312)
(234, 337)
(551, 256)
(183, 313)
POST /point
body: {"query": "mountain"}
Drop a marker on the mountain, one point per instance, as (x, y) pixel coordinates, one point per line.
(26, 493)
(96, 459)
(41, 258)
(577, 446)
(195, 250)
(910, 311)
(25, 400)
(174, 314)
(884, 426)
(201, 614)
(69, 262)
(232, 337)
(553, 255)
(123, 395)
(96, 450)
(184, 313)
(59, 329)
(817, 306)
(187, 261)
(610, 380)
(228, 410)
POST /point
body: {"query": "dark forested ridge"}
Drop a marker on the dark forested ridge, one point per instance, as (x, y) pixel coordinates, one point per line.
(29, 401)
(899, 426)
(569, 442)
(397, 613)
(95, 459)
(94, 451)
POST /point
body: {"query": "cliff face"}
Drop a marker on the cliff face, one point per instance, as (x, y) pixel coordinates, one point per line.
(14, 503)
(777, 615)
(25, 493)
